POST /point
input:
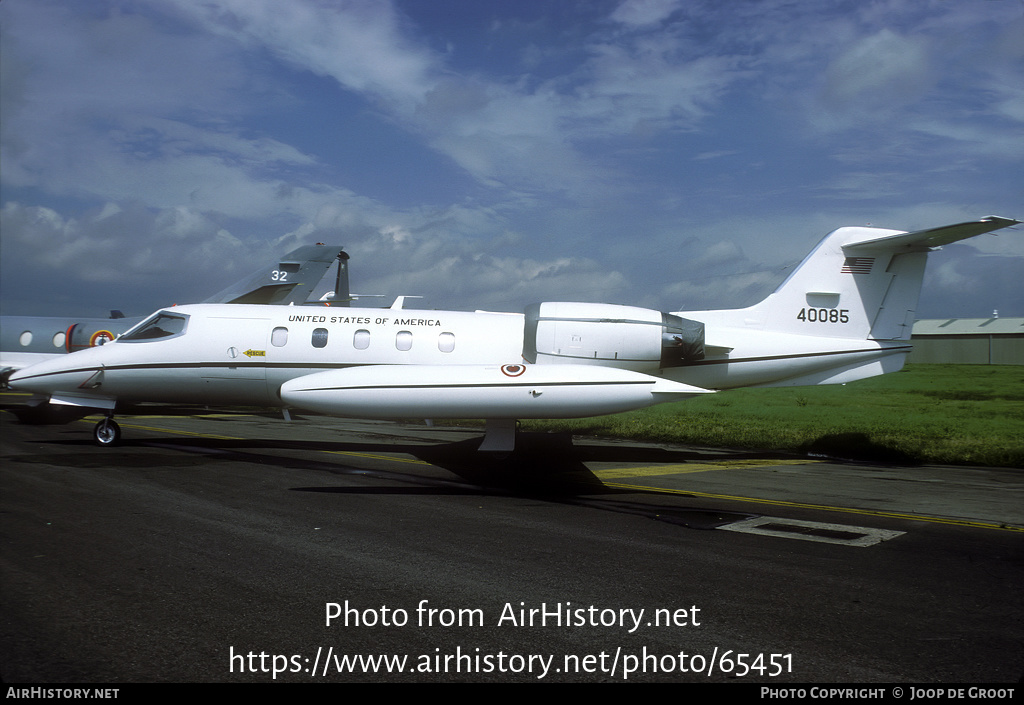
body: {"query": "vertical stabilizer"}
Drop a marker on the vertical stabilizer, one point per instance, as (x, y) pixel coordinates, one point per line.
(860, 282)
(289, 281)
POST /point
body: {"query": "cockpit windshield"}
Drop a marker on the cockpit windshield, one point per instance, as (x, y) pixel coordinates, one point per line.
(160, 326)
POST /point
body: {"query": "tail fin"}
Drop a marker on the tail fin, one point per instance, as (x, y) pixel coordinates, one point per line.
(860, 282)
(289, 281)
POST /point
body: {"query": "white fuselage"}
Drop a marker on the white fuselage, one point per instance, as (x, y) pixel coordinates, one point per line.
(243, 354)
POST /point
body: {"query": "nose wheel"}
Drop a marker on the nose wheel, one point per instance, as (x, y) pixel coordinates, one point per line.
(106, 433)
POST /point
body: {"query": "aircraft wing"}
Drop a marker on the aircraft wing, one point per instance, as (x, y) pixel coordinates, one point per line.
(291, 281)
(935, 237)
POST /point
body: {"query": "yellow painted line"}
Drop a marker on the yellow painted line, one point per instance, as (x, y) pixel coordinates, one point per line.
(194, 416)
(825, 507)
(686, 468)
(414, 461)
(650, 471)
(169, 416)
(182, 433)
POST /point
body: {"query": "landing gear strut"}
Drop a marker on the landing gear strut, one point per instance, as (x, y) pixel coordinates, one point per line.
(106, 433)
(499, 436)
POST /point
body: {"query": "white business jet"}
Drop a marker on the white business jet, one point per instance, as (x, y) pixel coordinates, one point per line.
(844, 314)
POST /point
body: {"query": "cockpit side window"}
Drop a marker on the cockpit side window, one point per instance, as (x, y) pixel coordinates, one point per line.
(160, 326)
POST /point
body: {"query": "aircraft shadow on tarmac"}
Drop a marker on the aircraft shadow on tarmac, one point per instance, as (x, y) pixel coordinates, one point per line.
(544, 466)
(548, 467)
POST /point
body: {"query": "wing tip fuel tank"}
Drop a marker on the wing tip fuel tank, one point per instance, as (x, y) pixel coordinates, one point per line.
(480, 391)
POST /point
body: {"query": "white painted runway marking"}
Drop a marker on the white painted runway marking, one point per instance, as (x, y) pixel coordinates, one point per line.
(842, 534)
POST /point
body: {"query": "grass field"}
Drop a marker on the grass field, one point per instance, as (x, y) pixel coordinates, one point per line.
(945, 414)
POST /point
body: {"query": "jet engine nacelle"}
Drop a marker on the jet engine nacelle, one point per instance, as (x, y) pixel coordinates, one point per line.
(610, 335)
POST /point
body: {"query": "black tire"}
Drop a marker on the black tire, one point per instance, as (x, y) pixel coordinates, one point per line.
(106, 433)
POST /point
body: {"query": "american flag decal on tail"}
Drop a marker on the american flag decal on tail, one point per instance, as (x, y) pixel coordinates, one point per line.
(858, 265)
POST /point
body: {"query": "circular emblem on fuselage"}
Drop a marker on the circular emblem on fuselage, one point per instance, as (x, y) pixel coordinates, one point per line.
(513, 370)
(100, 337)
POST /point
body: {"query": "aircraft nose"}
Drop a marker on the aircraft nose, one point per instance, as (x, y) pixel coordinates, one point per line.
(50, 377)
(17, 379)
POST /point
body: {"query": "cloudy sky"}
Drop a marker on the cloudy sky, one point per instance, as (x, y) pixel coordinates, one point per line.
(675, 154)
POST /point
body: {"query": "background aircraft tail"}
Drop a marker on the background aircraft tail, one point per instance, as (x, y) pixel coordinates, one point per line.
(291, 280)
(860, 283)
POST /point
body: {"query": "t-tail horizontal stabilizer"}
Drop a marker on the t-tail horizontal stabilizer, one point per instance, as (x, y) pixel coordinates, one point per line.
(860, 283)
(934, 237)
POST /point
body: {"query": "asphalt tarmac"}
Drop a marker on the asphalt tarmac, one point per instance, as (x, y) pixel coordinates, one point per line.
(225, 547)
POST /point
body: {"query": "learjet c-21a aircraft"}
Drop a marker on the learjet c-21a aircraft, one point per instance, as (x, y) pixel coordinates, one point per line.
(844, 314)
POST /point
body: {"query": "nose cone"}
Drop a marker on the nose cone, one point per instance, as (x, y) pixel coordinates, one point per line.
(66, 373)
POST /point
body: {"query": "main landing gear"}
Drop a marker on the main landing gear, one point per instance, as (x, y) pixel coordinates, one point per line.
(106, 433)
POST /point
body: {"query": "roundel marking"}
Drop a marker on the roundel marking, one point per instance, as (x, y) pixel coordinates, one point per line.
(100, 337)
(513, 370)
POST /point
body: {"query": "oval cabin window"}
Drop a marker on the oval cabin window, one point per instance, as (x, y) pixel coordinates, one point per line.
(446, 342)
(361, 339)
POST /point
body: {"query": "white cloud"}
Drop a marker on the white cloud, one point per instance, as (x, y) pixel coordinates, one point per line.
(116, 108)
(880, 72)
(649, 86)
(644, 12)
(359, 43)
(124, 244)
(192, 122)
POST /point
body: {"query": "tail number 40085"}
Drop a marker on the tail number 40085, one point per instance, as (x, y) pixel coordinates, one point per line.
(824, 315)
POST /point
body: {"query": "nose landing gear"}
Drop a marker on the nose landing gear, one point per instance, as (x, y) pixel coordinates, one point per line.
(106, 433)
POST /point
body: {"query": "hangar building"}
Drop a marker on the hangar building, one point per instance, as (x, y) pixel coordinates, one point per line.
(969, 341)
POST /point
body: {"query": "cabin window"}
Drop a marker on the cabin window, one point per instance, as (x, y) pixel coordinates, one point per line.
(361, 339)
(59, 339)
(403, 341)
(25, 339)
(319, 337)
(160, 326)
(279, 337)
(446, 342)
